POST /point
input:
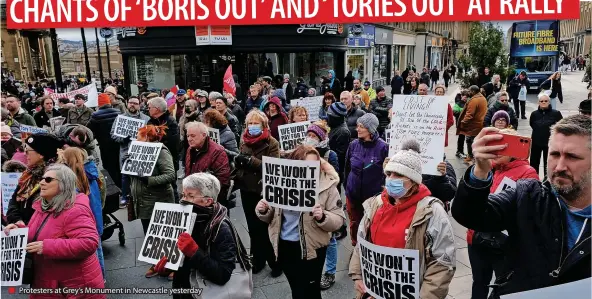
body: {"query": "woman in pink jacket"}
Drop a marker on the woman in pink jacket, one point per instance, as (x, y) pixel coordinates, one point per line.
(64, 251)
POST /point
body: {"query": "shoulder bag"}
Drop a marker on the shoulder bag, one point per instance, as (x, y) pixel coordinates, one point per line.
(28, 272)
(240, 285)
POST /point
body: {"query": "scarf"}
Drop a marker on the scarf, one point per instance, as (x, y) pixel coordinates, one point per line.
(332, 78)
(210, 218)
(253, 140)
(29, 181)
(323, 144)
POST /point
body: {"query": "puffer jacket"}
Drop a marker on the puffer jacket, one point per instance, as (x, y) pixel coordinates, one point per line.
(313, 234)
(497, 107)
(351, 119)
(248, 178)
(535, 220)
(363, 168)
(211, 158)
(228, 142)
(95, 201)
(159, 187)
(233, 124)
(123, 143)
(70, 241)
(380, 108)
(472, 116)
(81, 117)
(430, 233)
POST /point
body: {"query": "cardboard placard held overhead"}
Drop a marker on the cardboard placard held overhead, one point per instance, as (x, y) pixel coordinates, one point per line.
(389, 272)
(292, 135)
(312, 105)
(126, 126)
(143, 157)
(13, 256)
(9, 184)
(291, 184)
(422, 118)
(167, 222)
(214, 134)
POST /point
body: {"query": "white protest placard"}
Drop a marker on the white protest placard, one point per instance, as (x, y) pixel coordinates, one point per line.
(90, 91)
(506, 183)
(389, 272)
(312, 105)
(574, 290)
(214, 134)
(142, 158)
(126, 126)
(32, 129)
(291, 184)
(422, 118)
(9, 184)
(167, 222)
(13, 256)
(292, 135)
(56, 122)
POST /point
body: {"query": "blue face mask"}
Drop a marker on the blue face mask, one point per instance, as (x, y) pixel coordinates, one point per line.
(395, 188)
(255, 130)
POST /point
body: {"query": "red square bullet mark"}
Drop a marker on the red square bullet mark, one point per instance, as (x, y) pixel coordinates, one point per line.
(11, 290)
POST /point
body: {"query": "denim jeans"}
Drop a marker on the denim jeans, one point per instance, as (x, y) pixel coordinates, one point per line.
(331, 259)
(101, 258)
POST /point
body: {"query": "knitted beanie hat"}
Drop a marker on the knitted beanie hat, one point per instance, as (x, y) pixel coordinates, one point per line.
(104, 99)
(406, 163)
(369, 121)
(337, 109)
(318, 131)
(500, 114)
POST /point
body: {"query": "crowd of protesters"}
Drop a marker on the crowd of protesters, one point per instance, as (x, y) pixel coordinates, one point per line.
(520, 234)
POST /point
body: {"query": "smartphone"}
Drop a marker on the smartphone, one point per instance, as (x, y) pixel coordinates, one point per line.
(518, 146)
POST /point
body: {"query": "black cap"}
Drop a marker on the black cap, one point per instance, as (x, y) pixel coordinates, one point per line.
(585, 107)
(45, 144)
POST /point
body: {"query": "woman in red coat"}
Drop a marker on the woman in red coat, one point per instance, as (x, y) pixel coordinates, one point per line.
(64, 254)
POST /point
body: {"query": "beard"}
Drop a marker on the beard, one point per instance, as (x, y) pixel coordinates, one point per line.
(571, 191)
(132, 110)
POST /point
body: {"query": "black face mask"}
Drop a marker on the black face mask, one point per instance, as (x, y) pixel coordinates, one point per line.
(203, 213)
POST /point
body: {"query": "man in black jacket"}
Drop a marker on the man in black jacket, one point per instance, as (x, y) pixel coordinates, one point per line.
(159, 115)
(339, 136)
(515, 85)
(548, 223)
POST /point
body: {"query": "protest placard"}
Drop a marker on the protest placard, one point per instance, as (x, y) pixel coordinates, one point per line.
(56, 122)
(27, 131)
(422, 118)
(90, 91)
(142, 158)
(291, 184)
(576, 289)
(9, 183)
(506, 183)
(292, 135)
(167, 222)
(127, 126)
(13, 256)
(389, 272)
(214, 134)
(312, 105)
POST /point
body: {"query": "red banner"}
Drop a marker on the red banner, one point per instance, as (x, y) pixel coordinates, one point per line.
(29, 14)
(229, 85)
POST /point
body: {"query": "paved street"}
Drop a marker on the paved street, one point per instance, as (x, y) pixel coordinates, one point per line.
(124, 270)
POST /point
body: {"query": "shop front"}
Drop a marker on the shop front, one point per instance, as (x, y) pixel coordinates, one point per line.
(434, 52)
(382, 62)
(197, 57)
(403, 50)
(359, 55)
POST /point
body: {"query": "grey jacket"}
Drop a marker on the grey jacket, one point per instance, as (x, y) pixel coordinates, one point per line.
(123, 143)
(228, 142)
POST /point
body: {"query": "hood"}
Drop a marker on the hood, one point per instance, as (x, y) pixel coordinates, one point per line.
(14, 166)
(510, 166)
(410, 202)
(274, 100)
(329, 178)
(92, 172)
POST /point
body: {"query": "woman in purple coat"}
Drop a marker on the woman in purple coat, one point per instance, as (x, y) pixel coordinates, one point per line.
(363, 169)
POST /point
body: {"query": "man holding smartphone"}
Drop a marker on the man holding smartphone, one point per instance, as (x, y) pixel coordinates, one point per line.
(548, 222)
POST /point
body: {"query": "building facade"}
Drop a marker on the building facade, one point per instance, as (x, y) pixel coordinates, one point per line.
(576, 35)
(73, 62)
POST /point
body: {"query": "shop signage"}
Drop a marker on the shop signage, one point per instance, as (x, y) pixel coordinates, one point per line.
(213, 35)
(106, 32)
(124, 32)
(329, 29)
(383, 36)
(360, 36)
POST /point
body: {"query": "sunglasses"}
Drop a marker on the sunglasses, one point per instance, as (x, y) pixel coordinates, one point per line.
(48, 179)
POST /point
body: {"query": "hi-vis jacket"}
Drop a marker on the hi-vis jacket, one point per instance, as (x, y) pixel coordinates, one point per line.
(431, 234)
(313, 234)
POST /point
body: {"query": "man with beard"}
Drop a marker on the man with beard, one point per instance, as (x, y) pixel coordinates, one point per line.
(548, 223)
(133, 111)
(358, 90)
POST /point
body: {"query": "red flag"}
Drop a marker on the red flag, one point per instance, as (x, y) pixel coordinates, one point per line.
(229, 85)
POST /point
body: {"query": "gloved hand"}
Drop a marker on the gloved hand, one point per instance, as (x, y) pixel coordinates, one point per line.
(242, 160)
(127, 140)
(159, 267)
(187, 245)
(125, 157)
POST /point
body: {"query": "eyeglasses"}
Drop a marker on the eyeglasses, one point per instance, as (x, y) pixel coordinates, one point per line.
(194, 197)
(48, 179)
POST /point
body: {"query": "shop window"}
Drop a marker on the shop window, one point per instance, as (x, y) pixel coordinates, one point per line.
(324, 62)
(357, 62)
(380, 63)
(157, 72)
(297, 65)
(397, 52)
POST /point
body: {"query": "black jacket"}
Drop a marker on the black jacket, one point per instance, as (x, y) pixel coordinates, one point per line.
(41, 118)
(556, 92)
(536, 226)
(21, 210)
(497, 107)
(100, 125)
(396, 85)
(172, 138)
(215, 263)
(301, 91)
(380, 108)
(351, 119)
(339, 138)
(515, 85)
(435, 75)
(442, 187)
(541, 122)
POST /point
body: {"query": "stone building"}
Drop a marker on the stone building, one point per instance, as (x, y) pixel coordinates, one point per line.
(576, 35)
